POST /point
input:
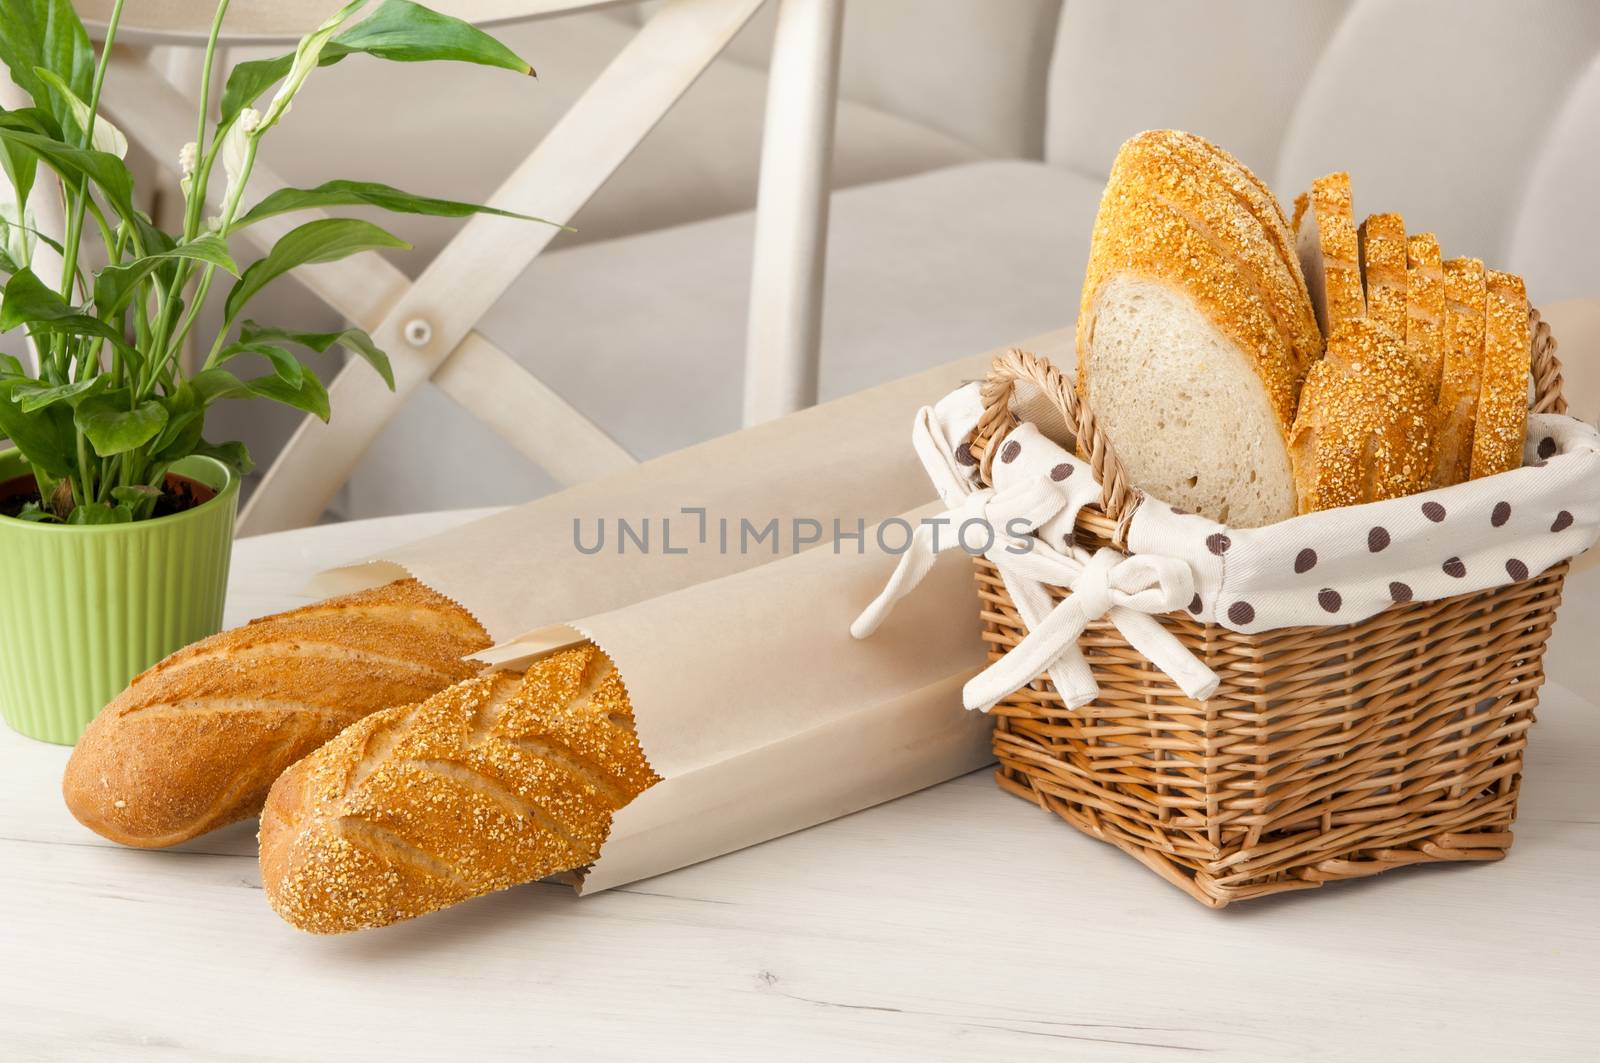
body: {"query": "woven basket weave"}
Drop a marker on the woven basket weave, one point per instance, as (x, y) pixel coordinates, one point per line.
(1326, 753)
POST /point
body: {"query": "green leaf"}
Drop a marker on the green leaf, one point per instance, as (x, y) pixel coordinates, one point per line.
(107, 172)
(324, 240)
(309, 395)
(10, 365)
(116, 285)
(372, 194)
(285, 365)
(232, 453)
(45, 438)
(38, 396)
(353, 340)
(106, 137)
(112, 428)
(140, 499)
(100, 513)
(47, 33)
(397, 30)
(33, 511)
(28, 301)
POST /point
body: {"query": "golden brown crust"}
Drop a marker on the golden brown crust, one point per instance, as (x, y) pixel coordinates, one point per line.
(195, 741)
(1148, 225)
(1364, 428)
(1465, 300)
(1330, 210)
(1382, 242)
(497, 781)
(1425, 309)
(1502, 414)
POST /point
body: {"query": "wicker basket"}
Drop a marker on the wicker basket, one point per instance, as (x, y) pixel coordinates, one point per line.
(1326, 753)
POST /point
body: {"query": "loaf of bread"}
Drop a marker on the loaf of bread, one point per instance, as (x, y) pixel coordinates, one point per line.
(1425, 309)
(1364, 429)
(497, 781)
(195, 742)
(1502, 416)
(1326, 240)
(1195, 330)
(1456, 411)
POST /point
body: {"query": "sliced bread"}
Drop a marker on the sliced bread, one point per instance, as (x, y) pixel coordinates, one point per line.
(1326, 243)
(1425, 309)
(1364, 428)
(1465, 296)
(1502, 415)
(1192, 375)
(1382, 243)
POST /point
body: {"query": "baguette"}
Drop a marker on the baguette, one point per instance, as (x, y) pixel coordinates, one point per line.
(1425, 309)
(1364, 429)
(1382, 243)
(497, 781)
(195, 742)
(1465, 301)
(1502, 415)
(1325, 239)
(1193, 336)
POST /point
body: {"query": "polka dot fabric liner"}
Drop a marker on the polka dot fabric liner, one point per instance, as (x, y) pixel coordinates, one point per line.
(1342, 565)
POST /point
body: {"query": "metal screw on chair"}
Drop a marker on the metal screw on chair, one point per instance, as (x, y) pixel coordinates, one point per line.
(418, 332)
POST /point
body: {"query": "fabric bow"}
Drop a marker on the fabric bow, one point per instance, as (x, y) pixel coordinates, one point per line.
(1129, 591)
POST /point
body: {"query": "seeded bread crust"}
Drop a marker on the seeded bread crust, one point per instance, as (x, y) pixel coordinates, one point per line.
(496, 781)
(1465, 302)
(1425, 309)
(1364, 430)
(195, 742)
(1332, 239)
(1502, 415)
(1382, 241)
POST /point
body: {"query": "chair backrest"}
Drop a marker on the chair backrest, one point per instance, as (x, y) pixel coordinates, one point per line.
(1473, 118)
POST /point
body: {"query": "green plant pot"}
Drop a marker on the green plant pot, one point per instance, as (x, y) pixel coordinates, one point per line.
(85, 609)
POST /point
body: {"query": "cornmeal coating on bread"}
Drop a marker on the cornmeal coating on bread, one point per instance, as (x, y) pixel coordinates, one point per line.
(1327, 208)
(1425, 309)
(499, 780)
(195, 741)
(1465, 299)
(1382, 241)
(1502, 416)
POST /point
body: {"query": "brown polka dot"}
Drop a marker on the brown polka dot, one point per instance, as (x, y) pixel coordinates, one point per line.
(1241, 613)
(1516, 570)
(1194, 605)
(1061, 472)
(1218, 543)
(1547, 447)
(1329, 599)
(1433, 511)
(1501, 514)
(1400, 592)
(1455, 567)
(1378, 539)
(1009, 454)
(964, 455)
(1562, 522)
(1305, 560)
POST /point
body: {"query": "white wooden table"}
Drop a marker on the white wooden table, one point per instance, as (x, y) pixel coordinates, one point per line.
(958, 923)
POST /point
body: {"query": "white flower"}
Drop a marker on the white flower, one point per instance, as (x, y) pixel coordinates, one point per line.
(188, 158)
(306, 57)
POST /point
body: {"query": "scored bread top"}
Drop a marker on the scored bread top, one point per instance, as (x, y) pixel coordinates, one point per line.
(1425, 309)
(1382, 241)
(494, 782)
(1502, 415)
(1139, 231)
(1325, 230)
(1465, 298)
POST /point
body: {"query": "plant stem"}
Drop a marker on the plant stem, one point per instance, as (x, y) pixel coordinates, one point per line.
(74, 234)
(196, 204)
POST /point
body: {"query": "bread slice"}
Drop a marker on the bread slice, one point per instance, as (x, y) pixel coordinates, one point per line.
(1192, 375)
(1502, 415)
(1326, 242)
(1364, 428)
(497, 781)
(195, 741)
(1382, 242)
(1465, 297)
(1425, 309)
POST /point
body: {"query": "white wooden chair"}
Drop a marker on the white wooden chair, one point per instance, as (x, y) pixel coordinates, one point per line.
(428, 325)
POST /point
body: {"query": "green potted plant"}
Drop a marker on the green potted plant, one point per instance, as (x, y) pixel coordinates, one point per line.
(116, 511)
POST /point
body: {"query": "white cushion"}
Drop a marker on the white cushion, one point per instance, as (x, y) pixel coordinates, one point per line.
(646, 334)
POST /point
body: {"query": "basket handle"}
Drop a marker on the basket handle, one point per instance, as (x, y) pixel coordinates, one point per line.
(1546, 368)
(1118, 498)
